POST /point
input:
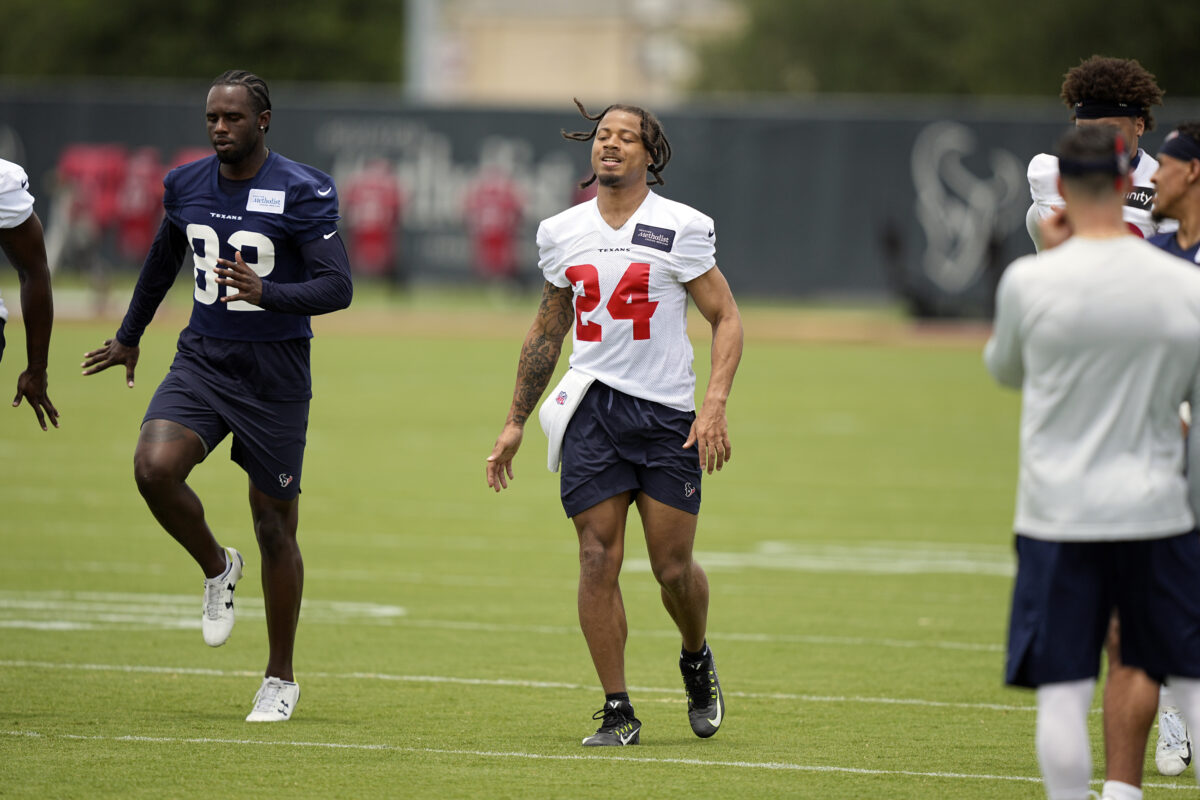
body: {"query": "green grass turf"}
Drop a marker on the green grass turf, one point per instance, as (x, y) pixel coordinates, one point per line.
(857, 548)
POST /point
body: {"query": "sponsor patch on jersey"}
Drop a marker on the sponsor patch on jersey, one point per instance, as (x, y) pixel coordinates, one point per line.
(650, 236)
(266, 201)
(1141, 197)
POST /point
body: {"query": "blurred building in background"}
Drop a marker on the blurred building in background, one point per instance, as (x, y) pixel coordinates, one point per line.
(532, 52)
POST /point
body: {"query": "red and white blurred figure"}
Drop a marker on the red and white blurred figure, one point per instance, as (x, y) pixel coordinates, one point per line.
(373, 210)
(494, 209)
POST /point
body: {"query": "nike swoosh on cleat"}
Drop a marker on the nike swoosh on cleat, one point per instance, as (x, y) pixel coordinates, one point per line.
(716, 723)
(625, 739)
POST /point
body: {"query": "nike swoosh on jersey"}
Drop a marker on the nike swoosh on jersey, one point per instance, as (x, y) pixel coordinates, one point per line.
(325, 192)
(330, 234)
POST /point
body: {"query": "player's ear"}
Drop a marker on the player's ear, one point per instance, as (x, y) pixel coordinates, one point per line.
(264, 120)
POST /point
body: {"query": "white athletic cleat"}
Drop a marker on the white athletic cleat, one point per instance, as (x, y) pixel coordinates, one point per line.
(1174, 750)
(216, 623)
(275, 701)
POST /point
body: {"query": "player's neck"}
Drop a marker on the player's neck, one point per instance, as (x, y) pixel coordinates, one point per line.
(1097, 220)
(1189, 232)
(618, 203)
(248, 167)
(1189, 221)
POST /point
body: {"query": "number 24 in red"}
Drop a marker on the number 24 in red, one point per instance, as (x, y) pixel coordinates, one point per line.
(630, 300)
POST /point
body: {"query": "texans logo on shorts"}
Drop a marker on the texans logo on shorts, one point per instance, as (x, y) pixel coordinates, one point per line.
(561, 399)
(284, 480)
(688, 490)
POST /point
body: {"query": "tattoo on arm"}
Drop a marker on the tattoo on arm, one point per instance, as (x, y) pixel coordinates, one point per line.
(540, 352)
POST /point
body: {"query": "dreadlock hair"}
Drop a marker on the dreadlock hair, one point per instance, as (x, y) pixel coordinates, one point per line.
(256, 87)
(654, 139)
(1113, 80)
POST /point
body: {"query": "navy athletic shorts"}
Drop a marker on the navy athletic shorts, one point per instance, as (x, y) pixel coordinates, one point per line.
(268, 435)
(616, 443)
(1066, 592)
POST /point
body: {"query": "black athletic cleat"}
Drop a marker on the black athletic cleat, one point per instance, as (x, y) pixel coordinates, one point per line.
(619, 727)
(706, 704)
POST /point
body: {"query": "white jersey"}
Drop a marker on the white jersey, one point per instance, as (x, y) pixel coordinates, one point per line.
(1103, 337)
(1139, 202)
(16, 203)
(630, 302)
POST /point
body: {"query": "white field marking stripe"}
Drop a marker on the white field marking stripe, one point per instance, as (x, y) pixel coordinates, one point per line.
(775, 766)
(60, 611)
(512, 683)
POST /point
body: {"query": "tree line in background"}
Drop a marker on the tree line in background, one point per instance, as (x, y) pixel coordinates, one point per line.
(1013, 47)
(301, 40)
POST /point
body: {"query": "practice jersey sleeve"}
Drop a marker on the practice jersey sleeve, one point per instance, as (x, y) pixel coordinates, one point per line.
(329, 289)
(1002, 354)
(16, 203)
(1043, 188)
(158, 274)
(695, 249)
(550, 260)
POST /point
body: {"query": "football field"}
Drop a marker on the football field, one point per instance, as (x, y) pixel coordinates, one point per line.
(857, 548)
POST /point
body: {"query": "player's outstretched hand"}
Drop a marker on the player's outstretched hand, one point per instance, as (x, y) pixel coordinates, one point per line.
(31, 385)
(111, 354)
(710, 436)
(499, 463)
(236, 275)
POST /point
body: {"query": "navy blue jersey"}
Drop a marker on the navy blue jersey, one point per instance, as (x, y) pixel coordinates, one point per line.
(284, 223)
(267, 219)
(1168, 242)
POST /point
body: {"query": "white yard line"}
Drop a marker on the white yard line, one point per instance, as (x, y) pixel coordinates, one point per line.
(673, 691)
(66, 611)
(775, 766)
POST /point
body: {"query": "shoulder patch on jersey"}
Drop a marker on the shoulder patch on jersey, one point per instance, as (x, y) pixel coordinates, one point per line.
(650, 236)
(1141, 197)
(267, 201)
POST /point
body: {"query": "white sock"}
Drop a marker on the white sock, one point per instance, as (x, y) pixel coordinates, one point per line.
(1063, 748)
(1116, 790)
(1165, 698)
(1187, 698)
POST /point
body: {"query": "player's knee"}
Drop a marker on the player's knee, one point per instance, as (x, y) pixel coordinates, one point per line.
(153, 474)
(276, 538)
(672, 574)
(598, 560)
